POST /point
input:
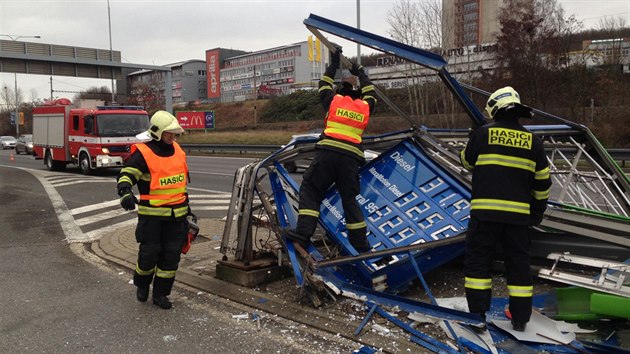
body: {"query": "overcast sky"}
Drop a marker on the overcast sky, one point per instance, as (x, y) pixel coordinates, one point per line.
(160, 32)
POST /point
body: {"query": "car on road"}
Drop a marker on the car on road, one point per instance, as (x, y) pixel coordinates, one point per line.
(24, 144)
(7, 141)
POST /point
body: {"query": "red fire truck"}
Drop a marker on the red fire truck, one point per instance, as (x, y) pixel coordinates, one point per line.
(87, 135)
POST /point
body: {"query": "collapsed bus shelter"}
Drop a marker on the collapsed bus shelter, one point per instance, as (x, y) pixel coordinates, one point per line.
(416, 199)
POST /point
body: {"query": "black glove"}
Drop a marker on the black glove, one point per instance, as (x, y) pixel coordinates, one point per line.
(128, 201)
(356, 69)
(336, 57)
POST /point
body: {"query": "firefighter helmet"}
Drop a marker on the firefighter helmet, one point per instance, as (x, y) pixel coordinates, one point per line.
(162, 121)
(503, 99)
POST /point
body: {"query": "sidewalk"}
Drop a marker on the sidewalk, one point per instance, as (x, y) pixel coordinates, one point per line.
(197, 269)
(200, 260)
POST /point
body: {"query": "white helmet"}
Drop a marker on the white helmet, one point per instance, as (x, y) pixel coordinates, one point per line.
(505, 98)
(161, 121)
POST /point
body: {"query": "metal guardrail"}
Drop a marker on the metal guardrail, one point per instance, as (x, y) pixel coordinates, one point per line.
(229, 148)
(621, 155)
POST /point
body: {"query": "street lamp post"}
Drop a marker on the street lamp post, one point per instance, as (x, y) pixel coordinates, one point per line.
(17, 104)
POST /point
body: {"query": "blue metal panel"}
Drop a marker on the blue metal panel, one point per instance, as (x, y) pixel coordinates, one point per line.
(406, 199)
(422, 57)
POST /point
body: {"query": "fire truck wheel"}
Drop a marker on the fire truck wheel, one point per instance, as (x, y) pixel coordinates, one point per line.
(84, 163)
(53, 165)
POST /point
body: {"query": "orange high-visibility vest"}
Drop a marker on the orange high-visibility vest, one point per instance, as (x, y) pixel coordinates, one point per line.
(168, 177)
(347, 119)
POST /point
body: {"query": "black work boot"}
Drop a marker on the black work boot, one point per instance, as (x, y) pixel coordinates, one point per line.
(480, 329)
(142, 293)
(519, 326)
(162, 301)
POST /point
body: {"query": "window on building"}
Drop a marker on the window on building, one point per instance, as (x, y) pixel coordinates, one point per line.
(471, 6)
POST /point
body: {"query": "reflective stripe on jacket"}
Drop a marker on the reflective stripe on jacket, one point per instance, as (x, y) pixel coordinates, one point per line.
(347, 119)
(167, 194)
(510, 181)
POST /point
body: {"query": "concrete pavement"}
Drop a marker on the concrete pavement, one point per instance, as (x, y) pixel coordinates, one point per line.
(198, 270)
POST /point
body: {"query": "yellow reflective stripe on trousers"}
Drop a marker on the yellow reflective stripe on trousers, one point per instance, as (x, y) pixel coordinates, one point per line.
(542, 174)
(506, 161)
(340, 145)
(521, 291)
(540, 195)
(478, 283)
(500, 205)
(166, 274)
(144, 272)
(153, 211)
(462, 158)
(356, 225)
(309, 212)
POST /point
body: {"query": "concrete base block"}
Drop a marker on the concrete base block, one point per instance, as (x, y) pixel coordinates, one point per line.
(256, 273)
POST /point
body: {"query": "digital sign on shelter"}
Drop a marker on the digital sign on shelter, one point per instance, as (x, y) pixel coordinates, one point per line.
(196, 120)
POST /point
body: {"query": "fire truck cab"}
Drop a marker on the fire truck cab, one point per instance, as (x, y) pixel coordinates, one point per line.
(91, 138)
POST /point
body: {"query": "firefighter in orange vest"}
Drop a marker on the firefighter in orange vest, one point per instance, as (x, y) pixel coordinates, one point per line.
(510, 187)
(339, 155)
(159, 169)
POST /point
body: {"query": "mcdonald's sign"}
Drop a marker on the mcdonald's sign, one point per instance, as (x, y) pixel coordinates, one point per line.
(196, 120)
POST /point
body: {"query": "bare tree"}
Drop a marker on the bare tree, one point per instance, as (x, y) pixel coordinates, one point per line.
(404, 19)
(418, 24)
(613, 27)
(7, 95)
(149, 95)
(534, 37)
(102, 93)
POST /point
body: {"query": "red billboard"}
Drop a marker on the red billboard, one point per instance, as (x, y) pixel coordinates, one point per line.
(212, 70)
(196, 120)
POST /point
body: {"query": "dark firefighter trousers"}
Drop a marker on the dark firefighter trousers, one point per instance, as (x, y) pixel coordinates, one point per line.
(481, 240)
(330, 167)
(159, 254)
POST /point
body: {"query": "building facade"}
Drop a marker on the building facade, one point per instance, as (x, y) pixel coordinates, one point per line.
(464, 64)
(275, 71)
(215, 62)
(470, 22)
(188, 81)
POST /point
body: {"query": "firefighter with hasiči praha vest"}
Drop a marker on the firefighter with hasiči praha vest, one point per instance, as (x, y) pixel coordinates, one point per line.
(159, 169)
(510, 187)
(339, 155)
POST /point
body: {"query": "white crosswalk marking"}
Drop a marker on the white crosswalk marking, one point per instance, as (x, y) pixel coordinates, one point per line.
(102, 216)
(98, 233)
(88, 216)
(61, 180)
(92, 207)
(99, 219)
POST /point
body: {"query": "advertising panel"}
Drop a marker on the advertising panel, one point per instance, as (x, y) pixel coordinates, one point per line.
(196, 120)
(213, 84)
